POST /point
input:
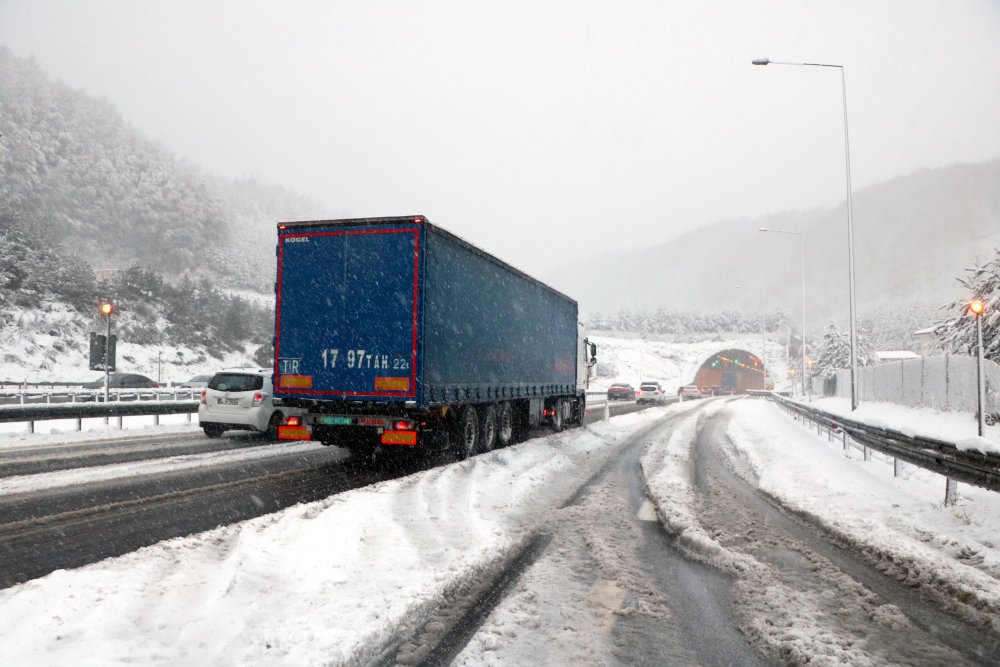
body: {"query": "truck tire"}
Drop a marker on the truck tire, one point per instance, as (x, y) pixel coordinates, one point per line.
(505, 424)
(487, 427)
(467, 433)
(557, 418)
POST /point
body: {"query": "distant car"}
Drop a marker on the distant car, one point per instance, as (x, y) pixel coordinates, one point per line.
(650, 392)
(122, 381)
(690, 391)
(621, 391)
(197, 381)
(240, 399)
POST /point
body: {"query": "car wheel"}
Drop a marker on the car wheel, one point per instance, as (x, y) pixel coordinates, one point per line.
(272, 425)
(213, 431)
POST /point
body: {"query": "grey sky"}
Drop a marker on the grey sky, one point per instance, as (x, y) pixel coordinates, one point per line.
(542, 131)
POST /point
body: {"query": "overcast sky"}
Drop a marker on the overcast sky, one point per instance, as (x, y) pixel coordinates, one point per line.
(536, 128)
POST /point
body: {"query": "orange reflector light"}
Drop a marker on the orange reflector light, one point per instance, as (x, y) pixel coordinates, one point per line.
(293, 421)
(293, 433)
(399, 438)
(392, 384)
(296, 381)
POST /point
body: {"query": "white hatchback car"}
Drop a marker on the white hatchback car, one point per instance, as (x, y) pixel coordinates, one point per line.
(240, 399)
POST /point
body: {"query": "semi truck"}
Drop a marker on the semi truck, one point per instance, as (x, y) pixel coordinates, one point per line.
(392, 332)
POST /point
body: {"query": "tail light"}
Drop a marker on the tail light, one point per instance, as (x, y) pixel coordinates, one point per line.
(293, 421)
(404, 425)
(258, 398)
(549, 412)
(204, 401)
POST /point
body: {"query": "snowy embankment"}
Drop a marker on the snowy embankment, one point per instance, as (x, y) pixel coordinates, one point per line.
(899, 524)
(330, 582)
(960, 428)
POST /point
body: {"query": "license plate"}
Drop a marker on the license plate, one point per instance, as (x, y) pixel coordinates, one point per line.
(334, 421)
(229, 401)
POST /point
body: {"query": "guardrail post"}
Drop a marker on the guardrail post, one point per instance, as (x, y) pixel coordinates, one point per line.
(895, 467)
(119, 422)
(950, 491)
(79, 423)
(845, 441)
(31, 426)
(868, 454)
(156, 420)
(607, 411)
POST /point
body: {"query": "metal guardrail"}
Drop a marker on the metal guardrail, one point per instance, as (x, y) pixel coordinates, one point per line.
(79, 411)
(945, 458)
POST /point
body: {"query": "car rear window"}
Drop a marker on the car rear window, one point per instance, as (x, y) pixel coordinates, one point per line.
(236, 382)
(650, 387)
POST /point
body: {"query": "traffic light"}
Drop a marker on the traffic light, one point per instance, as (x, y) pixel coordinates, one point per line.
(97, 344)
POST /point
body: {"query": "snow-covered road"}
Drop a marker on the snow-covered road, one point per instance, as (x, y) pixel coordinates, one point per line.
(377, 574)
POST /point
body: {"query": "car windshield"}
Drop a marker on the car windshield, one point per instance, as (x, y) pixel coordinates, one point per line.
(236, 382)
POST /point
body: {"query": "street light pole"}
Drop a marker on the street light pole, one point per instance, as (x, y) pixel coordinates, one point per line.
(976, 308)
(802, 249)
(850, 221)
(106, 310)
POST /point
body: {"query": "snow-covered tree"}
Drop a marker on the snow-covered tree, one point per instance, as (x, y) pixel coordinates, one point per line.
(958, 334)
(834, 352)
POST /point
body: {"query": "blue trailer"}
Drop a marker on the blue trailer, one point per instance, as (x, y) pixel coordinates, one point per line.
(392, 331)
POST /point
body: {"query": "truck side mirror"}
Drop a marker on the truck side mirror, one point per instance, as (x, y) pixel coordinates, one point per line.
(593, 353)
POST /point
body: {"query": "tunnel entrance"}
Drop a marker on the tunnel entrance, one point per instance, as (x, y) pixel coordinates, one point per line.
(731, 372)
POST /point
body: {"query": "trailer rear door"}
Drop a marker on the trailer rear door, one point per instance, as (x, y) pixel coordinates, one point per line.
(347, 311)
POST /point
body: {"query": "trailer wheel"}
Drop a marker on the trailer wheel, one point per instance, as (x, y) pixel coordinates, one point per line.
(487, 428)
(557, 418)
(505, 424)
(467, 433)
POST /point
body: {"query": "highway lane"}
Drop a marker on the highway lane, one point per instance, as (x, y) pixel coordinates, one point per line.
(70, 526)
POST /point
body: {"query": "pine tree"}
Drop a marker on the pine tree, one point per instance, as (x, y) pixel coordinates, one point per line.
(834, 353)
(958, 334)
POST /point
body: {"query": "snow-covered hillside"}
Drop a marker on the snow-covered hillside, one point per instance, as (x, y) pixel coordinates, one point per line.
(51, 343)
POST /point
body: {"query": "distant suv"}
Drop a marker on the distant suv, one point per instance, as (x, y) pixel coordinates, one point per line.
(240, 399)
(650, 392)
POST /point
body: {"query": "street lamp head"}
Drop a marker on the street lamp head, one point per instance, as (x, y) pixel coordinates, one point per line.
(977, 307)
(106, 309)
(761, 61)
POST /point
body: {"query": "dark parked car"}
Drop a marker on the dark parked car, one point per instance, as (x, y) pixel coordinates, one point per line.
(200, 381)
(621, 391)
(122, 381)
